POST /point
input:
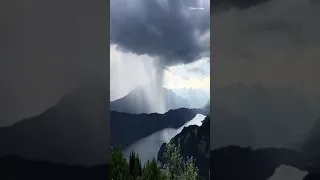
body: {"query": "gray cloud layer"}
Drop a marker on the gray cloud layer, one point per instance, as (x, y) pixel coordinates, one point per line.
(48, 48)
(196, 70)
(218, 5)
(277, 42)
(165, 29)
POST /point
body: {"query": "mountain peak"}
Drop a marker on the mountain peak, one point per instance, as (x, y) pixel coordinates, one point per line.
(141, 100)
(63, 132)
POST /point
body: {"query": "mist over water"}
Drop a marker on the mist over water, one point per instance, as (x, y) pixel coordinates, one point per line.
(148, 147)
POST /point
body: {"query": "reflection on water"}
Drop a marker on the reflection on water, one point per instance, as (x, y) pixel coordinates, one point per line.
(148, 147)
(288, 173)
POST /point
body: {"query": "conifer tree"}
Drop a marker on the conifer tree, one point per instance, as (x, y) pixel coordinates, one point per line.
(151, 171)
(134, 165)
(119, 169)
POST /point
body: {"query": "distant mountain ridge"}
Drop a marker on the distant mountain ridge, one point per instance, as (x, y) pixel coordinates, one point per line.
(196, 97)
(311, 143)
(128, 128)
(259, 164)
(207, 108)
(138, 102)
(75, 131)
(275, 113)
(12, 167)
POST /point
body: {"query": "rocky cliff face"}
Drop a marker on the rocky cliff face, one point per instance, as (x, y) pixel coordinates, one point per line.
(194, 141)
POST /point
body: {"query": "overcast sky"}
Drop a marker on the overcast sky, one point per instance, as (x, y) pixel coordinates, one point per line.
(167, 35)
(276, 41)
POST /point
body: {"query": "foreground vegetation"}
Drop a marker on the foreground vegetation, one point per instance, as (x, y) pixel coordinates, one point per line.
(176, 168)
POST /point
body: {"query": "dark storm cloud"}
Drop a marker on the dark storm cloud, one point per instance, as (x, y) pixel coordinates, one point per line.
(273, 50)
(277, 42)
(241, 4)
(47, 49)
(163, 28)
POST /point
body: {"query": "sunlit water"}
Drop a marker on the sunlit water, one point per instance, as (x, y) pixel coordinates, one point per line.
(148, 147)
(288, 173)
